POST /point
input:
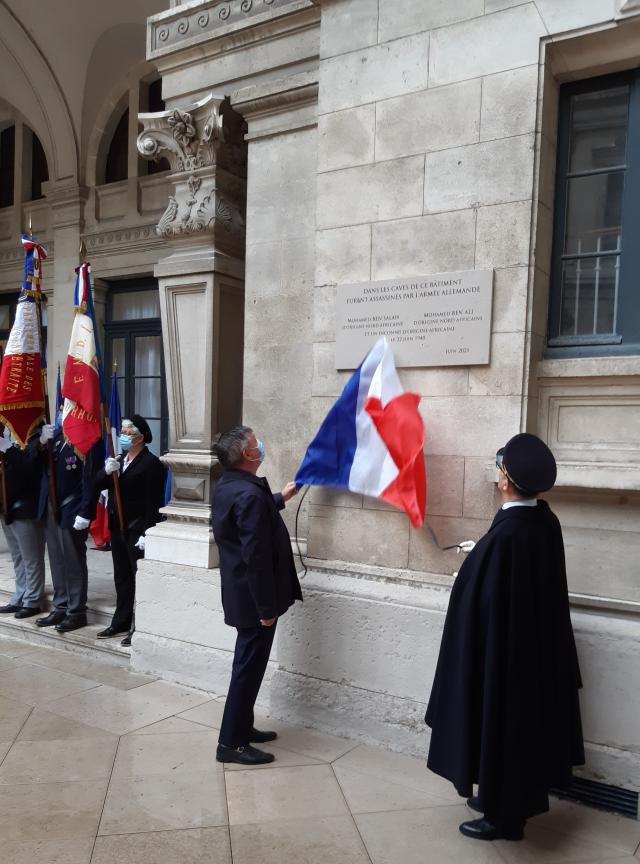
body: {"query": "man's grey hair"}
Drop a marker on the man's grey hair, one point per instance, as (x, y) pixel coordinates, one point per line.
(229, 446)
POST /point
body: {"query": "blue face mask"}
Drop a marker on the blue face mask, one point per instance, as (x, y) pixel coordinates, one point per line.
(260, 448)
(125, 442)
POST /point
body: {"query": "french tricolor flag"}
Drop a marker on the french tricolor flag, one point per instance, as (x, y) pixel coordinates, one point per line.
(372, 439)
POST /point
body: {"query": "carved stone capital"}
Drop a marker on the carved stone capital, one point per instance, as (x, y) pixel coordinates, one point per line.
(188, 138)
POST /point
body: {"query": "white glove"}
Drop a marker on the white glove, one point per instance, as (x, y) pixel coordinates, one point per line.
(5, 444)
(466, 546)
(81, 523)
(46, 433)
(140, 544)
(111, 465)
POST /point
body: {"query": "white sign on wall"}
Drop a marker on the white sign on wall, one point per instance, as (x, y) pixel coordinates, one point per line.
(439, 320)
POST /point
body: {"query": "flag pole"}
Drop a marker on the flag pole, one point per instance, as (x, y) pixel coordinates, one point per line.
(104, 413)
(45, 388)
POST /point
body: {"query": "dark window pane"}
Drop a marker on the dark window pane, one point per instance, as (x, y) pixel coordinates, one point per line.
(156, 102)
(599, 129)
(5, 316)
(39, 168)
(7, 161)
(589, 292)
(118, 356)
(156, 431)
(117, 167)
(147, 353)
(147, 398)
(122, 394)
(594, 211)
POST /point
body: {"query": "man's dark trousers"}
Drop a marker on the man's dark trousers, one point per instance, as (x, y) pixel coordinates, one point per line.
(253, 647)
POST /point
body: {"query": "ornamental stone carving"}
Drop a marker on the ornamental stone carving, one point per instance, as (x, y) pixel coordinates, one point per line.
(203, 143)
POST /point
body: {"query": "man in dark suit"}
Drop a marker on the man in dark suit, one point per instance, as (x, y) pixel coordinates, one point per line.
(23, 530)
(66, 530)
(259, 583)
(142, 491)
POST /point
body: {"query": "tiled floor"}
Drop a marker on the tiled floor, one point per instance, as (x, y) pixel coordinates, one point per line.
(100, 765)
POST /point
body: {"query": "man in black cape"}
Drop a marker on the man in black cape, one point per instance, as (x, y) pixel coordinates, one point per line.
(504, 708)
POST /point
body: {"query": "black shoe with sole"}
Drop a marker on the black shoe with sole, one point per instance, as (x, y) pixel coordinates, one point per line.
(109, 632)
(243, 755)
(69, 624)
(28, 612)
(258, 737)
(127, 640)
(51, 619)
(4, 610)
(481, 829)
(474, 804)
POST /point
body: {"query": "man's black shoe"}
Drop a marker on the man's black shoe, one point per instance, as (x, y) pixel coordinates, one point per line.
(109, 632)
(474, 804)
(480, 829)
(9, 608)
(127, 640)
(243, 755)
(28, 612)
(68, 624)
(51, 619)
(258, 737)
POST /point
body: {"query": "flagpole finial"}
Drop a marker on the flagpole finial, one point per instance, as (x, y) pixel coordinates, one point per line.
(115, 366)
(83, 252)
(30, 228)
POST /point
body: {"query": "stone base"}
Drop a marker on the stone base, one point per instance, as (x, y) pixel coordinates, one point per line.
(357, 659)
(179, 543)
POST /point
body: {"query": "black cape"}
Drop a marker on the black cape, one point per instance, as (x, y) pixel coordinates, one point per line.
(504, 708)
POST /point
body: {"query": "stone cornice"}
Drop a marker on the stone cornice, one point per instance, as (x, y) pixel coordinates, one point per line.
(122, 240)
(200, 21)
(283, 105)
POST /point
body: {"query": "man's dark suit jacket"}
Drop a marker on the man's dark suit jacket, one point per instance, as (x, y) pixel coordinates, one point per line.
(142, 490)
(74, 481)
(23, 472)
(258, 574)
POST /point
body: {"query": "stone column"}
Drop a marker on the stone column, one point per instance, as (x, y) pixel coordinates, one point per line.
(201, 283)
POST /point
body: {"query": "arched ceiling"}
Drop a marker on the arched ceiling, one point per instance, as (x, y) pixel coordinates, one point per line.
(45, 54)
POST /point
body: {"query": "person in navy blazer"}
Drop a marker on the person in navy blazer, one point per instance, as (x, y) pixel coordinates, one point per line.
(66, 530)
(259, 583)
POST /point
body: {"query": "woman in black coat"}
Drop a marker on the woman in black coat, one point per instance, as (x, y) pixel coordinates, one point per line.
(141, 478)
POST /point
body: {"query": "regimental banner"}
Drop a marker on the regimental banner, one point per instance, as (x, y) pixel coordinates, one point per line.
(21, 384)
(438, 320)
(81, 385)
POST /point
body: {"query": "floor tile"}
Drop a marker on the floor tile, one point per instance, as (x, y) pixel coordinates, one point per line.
(208, 714)
(294, 793)
(396, 768)
(310, 742)
(284, 759)
(542, 846)
(14, 647)
(51, 761)
(13, 715)
(96, 670)
(52, 811)
(419, 836)
(122, 711)
(171, 724)
(5, 746)
(63, 850)
(593, 825)
(43, 725)
(192, 846)
(37, 685)
(329, 840)
(9, 662)
(166, 754)
(136, 805)
(366, 794)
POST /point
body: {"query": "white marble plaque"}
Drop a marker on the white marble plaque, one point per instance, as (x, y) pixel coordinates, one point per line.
(439, 320)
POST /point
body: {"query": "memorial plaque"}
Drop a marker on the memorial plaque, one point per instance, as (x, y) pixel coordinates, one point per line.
(439, 320)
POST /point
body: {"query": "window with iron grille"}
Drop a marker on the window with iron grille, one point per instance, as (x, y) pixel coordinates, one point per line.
(595, 281)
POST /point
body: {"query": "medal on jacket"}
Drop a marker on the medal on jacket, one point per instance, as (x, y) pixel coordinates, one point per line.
(71, 462)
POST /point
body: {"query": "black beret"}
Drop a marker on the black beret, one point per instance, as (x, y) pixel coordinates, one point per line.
(143, 427)
(529, 464)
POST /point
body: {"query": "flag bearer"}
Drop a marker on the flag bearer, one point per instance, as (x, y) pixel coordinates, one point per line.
(142, 490)
(66, 530)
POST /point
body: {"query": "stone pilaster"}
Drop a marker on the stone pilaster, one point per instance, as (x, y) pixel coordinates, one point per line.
(201, 284)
